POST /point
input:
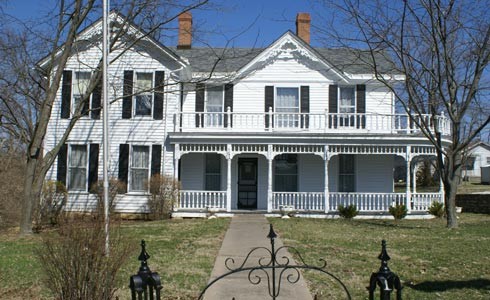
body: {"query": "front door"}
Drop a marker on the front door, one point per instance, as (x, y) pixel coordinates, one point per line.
(247, 183)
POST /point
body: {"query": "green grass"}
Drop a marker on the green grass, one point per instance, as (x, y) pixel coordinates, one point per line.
(432, 261)
(182, 252)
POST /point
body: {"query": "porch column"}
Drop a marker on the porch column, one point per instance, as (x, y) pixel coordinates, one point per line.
(270, 158)
(326, 194)
(228, 177)
(408, 159)
(414, 177)
(441, 187)
(176, 161)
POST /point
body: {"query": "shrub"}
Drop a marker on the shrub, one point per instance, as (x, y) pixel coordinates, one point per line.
(115, 187)
(437, 209)
(51, 204)
(164, 192)
(74, 263)
(347, 212)
(399, 211)
(12, 174)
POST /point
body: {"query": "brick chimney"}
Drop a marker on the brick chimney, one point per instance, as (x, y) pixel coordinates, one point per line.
(185, 30)
(303, 26)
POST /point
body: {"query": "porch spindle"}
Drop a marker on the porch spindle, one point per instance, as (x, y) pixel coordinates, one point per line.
(408, 160)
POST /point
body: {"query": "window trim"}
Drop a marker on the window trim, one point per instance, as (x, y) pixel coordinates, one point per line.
(74, 81)
(210, 122)
(276, 98)
(130, 168)
(339, 102)
(151, 92)
(69, 167)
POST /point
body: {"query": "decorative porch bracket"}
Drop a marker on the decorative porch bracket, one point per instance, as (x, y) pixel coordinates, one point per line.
(275, 268)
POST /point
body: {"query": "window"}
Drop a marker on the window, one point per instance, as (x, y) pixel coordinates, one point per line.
(143, 94)
(77, 168)
(140, 160)
(80, 86)
(214, 105)
(470, 163)
(488, 160)
(347, 106)
(286, 173)
(287, 107)
(212, 176)
(347, 173)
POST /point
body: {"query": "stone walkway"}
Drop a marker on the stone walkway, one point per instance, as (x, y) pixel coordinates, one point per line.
(247, 232)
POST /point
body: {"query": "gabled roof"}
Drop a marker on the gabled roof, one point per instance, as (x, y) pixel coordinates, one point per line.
(345, 61)
(94, 31)
(479, 144)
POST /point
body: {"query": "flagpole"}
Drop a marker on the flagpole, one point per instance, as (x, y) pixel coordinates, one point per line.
(105, 51)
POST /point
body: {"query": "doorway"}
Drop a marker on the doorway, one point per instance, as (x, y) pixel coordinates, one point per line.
(247, 183)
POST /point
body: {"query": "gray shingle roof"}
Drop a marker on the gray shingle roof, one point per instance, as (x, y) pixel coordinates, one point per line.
(350, 61)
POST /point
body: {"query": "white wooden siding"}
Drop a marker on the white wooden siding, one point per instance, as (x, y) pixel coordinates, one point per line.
(192, 171)
(374, 173)
(310, 173)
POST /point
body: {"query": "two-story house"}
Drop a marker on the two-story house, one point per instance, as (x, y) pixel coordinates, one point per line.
(241, 129)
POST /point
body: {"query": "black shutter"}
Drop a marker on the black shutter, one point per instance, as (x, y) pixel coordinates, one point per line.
(127, 95)
(66, 94)
(199, 104)
(156, 159)
(123, 165)
(62, 164)
(268, 103)
(361, 105)
(96, 100)
(332, 105)
(93, 168)
(228, 102)
(158, 95)
(305, 106)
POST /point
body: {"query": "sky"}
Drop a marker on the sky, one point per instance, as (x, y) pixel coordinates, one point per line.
(243, 23)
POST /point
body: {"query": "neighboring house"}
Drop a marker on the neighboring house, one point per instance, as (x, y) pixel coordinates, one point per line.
(241, 129)
(477, 156)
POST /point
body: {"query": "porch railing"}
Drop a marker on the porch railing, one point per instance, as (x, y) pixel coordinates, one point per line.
(202, 199)
(422, 201)
(300, 201)
(366, 201)
(310, 122)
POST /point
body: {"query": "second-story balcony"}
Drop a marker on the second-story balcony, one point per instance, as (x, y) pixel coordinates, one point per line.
(308, 122)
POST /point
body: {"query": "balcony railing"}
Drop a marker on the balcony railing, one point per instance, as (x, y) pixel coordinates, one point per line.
(307, 122)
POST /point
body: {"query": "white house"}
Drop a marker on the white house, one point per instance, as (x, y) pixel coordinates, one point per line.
(241, 129)
(478, 156)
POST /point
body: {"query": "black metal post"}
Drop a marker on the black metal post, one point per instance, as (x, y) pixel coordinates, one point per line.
(272, 235)
(384, 278)
(146, 283)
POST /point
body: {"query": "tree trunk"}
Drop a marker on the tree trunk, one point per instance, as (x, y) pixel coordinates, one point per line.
(29, 198)
(450, 202)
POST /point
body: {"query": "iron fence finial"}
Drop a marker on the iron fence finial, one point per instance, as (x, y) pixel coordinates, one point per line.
(272, 235)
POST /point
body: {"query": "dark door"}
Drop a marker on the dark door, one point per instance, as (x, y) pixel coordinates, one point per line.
(247, 183)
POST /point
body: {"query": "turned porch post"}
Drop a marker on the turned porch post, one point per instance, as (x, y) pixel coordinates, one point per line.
(228, 177)
(176, 161)
(326, 194)
(408, 158)
(270, 158)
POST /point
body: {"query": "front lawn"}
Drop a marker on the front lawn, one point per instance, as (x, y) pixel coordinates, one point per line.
(432, 261)
(182, 252)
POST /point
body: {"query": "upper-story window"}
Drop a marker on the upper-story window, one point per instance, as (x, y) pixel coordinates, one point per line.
(77, 168)
(81, 82)
(143, 94)
(214, 105)
(347, 100)
(287, 107)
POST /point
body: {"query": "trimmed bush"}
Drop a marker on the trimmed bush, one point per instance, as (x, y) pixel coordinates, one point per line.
(399, 211)
(437, 209)
(348, 212)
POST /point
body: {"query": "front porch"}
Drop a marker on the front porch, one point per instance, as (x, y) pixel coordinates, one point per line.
(309, 179)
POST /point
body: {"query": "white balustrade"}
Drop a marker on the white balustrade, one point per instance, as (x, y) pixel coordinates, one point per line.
(202, 199)
(312, 122)
(422, 201)
(300, 201)
(366, 201)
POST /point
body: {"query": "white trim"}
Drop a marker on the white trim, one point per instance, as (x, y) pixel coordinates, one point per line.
(68, 167)
(151, 92)
(130, 168)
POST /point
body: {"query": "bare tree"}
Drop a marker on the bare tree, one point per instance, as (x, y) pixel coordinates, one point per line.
(442, 48)
(27, 94)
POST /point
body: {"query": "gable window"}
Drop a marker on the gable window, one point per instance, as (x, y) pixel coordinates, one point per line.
(77, 168)
(80, 86)
(286, 173)
(140, 161)
(214, 106)
(287, 107)
(212, 176)
(347, 106)
(143, 94)
(347, 173)
(470, 163)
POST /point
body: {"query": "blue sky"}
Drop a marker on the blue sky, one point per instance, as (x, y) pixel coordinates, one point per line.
(263, 20)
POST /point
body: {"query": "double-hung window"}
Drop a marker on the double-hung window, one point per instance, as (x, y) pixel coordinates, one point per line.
(286, 173)
(80, 86)
(287, 107)
(77, 168)
(143, 94)
(347, 177)
(140, 161)
(214, 106)
(212, 176)
(347, 106)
